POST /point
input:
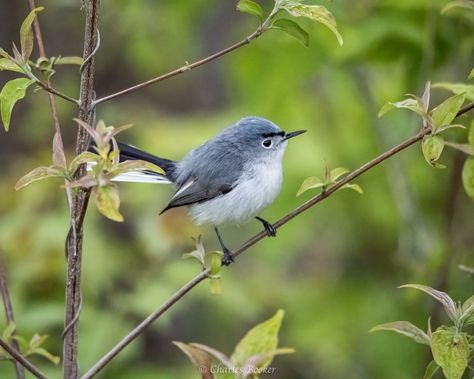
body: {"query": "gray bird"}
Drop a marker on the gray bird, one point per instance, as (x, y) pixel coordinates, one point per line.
(228, 179)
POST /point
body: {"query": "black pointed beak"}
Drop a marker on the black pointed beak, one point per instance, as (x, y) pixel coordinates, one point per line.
(293, 134)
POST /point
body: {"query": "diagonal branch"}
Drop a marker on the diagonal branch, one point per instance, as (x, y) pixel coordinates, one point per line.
(257, 33)
(7, 304)
(22, 360)
(252, 241)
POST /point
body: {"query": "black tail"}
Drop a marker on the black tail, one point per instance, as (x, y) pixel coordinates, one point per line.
(128, 152)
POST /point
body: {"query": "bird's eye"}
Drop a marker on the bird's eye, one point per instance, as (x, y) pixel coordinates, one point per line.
(267, 143)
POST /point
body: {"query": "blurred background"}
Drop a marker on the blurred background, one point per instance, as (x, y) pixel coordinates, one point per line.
(334, 269)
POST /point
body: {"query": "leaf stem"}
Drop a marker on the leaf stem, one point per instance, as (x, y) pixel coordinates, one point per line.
(257, 33)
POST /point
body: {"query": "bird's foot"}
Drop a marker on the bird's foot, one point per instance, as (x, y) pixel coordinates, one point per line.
(227, 259)
(271, 231)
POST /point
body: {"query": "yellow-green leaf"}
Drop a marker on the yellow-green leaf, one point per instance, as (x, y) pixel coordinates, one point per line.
(309, 183)
(354, 187)
(450, 351)
(457, 88)
(336, 173)
(107, 201)
(446, 112)
(432, 147)
(263, 338)
(414, 105)
(7, 64)
(13, 91)
(68, 60)
(26, 34)
(39, 173)
(291, 28)
(250, 7)
(317, 13)
(431, 369)
(470, 137)
(471, 74)
(406, 328)
(84, 157)
(468, 177)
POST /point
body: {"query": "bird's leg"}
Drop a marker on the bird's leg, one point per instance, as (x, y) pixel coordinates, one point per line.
(271, 231)
(227, 259)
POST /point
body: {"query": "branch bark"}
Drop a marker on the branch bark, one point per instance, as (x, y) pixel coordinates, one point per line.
(80, 199)
(7, 304)
(22, 360)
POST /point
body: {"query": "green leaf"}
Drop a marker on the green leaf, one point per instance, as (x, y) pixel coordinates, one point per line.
(250, 7)
(39, 173)
(471, 74)
(464, 147)
(45, 353)
(432, 147)
(317, 13)
(13, 91)
(9, 331)
(407, 329)
(442, 297)
(107, 201)
(446, 112)
(457, 88)
(199, 358)
(470, 137)
(468, 177)
(7, 64)
(458, 4)
(292, 28)
(84, 157)
(309, 183)
(431, 369)
(413, 105)
(262, 338)
(26, 34)
(450, 351)
(354, 187)
(68, 60)
(467, 309)
(336, 173)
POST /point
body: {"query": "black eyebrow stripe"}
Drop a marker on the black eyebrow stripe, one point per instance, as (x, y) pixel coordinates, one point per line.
(273, 134)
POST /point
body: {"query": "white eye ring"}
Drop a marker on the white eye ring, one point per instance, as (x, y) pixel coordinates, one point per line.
(267, 143)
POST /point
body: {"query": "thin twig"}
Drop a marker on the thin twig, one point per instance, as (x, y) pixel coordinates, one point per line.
(22, 360)
(257, 33)
(51, 90)
(252, 241)
(7, 304)
(57, 139)
(80, 199)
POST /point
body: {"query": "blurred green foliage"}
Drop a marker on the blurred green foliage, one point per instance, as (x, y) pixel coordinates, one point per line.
(334, 269)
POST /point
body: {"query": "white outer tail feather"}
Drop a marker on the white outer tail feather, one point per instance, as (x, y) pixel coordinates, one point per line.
(137, 177)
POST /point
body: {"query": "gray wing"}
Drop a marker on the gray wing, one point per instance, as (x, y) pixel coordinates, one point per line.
(209, 171)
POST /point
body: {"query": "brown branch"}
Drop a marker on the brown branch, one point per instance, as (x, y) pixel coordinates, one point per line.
(22, 360)
(252, 241)
(80, 199)
(257, 33)
(7, 304)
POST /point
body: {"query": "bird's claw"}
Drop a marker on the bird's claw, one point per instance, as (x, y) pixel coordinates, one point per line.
(227, 259)
(271, 231)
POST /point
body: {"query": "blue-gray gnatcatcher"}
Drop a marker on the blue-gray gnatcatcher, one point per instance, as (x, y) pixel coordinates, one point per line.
(228, 179)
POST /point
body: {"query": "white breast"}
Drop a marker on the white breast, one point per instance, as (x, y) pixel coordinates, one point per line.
(256, 189)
